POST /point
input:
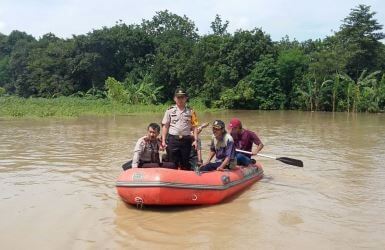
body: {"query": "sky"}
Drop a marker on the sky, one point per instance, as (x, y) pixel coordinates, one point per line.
(299, 19)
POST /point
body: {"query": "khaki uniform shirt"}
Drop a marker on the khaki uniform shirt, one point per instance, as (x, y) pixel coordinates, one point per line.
(145, 151)
(180, 121)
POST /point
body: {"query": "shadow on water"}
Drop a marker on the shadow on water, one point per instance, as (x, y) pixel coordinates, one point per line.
(167, 208)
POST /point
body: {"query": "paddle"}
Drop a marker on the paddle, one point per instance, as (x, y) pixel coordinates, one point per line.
(127, 165)
(287, 160)
(162, 164)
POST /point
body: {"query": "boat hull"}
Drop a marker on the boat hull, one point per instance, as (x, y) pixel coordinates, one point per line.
(161, 186)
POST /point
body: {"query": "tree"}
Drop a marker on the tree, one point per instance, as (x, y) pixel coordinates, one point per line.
(354, 87)
(119, 51)
(48, 68)
(380, 93)
(174, 37)
(14, 52)
(245, 49)
(264, 81)
(218, 27)
(292, 64)
(165, 22)
(335, 84)
(360, 37)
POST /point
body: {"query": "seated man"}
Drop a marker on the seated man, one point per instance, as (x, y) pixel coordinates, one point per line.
(146, 148)
(243, 140)
(222, 146)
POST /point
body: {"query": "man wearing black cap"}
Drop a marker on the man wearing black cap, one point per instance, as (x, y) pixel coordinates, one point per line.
(178, 122)
(222, 147)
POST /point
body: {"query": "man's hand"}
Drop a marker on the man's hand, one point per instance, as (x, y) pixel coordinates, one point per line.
(255, 151)
(205, 163)
(163, 146)
(220, 168)
(195, 145)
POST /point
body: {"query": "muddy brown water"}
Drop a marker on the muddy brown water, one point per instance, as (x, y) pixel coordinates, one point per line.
(57, 187)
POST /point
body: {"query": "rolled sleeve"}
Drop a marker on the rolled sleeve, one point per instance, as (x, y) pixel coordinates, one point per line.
(255, 138)
(166, 118)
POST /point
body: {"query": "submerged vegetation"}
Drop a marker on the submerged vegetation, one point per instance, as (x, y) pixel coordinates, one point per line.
(136, 68)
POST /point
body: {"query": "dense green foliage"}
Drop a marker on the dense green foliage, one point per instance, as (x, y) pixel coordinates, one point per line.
(143, 64)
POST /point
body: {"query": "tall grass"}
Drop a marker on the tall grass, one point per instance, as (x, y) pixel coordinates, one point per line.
(75, 106)
(68, 106)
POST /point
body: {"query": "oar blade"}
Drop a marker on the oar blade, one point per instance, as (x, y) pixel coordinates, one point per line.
(127, 165)
(290, 161)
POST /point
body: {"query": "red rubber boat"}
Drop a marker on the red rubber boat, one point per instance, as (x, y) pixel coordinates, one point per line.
(163, 186)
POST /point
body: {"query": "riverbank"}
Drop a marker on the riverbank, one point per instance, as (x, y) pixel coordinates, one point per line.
(75, 106)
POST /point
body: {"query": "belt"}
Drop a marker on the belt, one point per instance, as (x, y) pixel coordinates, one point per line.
(180, 137)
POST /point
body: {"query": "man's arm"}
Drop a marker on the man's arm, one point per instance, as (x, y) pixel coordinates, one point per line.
(211, 155)
(224, 164)
(257, 149)
(257, 142)
(137, 154)
(165, 126)
(164, 134)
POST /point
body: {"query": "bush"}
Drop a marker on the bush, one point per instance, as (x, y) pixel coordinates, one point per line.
(116, 91)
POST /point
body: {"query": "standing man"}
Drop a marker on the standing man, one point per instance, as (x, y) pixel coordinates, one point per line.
(178, 122)
(243, 140)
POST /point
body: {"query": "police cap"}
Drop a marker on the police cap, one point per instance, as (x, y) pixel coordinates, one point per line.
(180, 92)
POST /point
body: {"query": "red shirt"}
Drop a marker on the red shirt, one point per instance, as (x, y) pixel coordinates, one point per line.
(245, 140)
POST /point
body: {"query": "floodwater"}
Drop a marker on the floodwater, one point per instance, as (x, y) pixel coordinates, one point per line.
(57, 187)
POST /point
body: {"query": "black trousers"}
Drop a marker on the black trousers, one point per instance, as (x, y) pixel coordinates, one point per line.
(178, 150)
